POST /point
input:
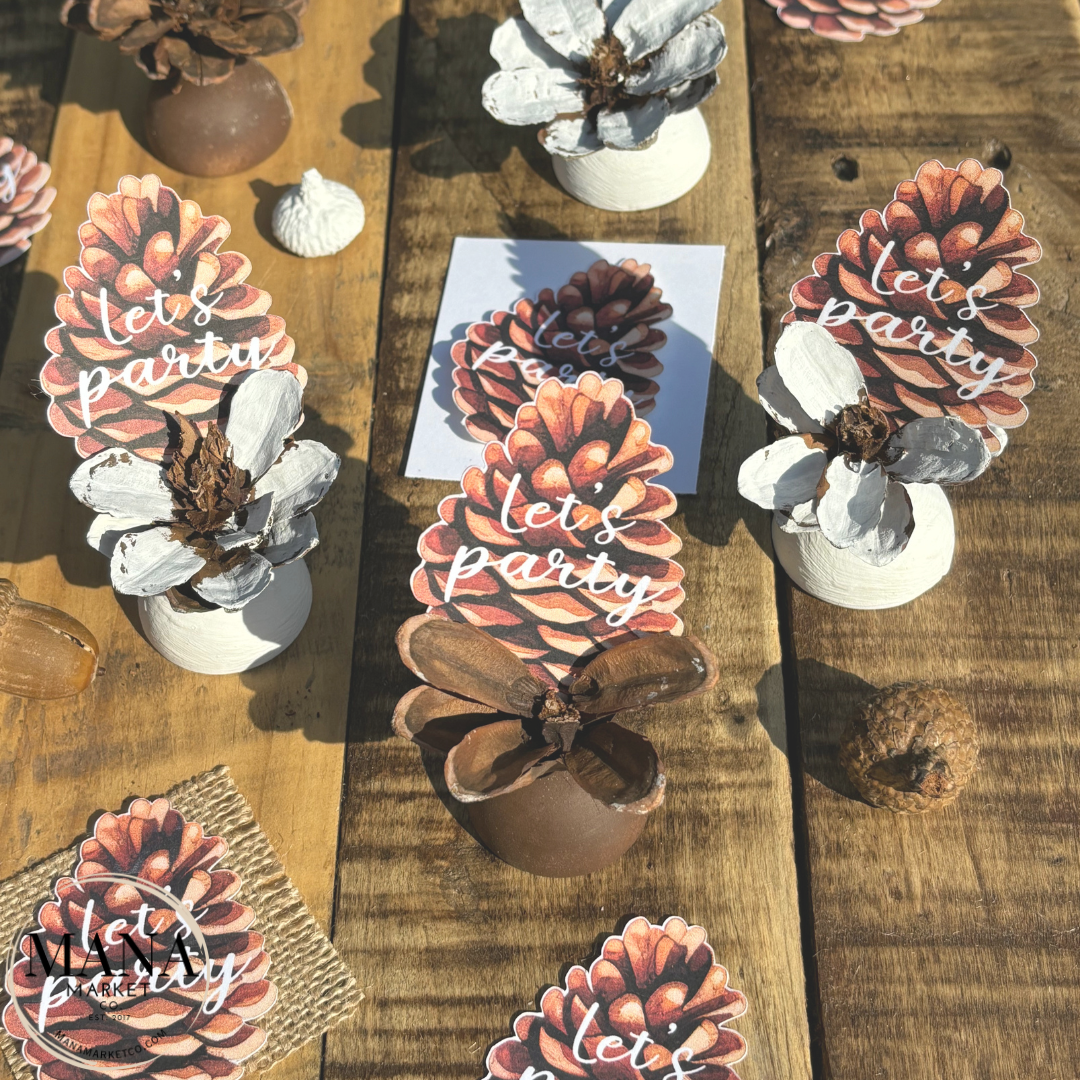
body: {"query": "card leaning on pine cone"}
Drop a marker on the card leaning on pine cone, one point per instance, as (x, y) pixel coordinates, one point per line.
(196, 881)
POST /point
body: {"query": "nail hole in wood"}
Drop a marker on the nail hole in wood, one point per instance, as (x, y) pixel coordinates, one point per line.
(846, 168)
(997, 155)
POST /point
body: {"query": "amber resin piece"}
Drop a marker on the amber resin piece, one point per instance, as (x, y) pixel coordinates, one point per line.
(911, 748)
(44, 653)
(553, 785)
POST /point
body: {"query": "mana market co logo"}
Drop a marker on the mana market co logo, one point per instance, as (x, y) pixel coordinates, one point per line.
(106, 998)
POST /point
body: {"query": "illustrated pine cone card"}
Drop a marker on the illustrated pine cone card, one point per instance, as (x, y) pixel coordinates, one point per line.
(851, 20)
(602, 320)
(558, 545)
(655, 1005)
(199, 39)
(603, 75)
(156, 320)
(929, 299)
(24, 198)
(156, 972)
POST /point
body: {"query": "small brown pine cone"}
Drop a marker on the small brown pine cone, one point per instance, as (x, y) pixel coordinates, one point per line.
(911, 748)
(174, 1034)
(659, 1003)
(141, 239)
(24, 198)
(960, 223)
(200, 39)
(851, 20)
(617, 305)
(582, 440)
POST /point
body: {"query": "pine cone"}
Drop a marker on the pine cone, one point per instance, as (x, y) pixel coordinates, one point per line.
(200, 39)
(956, 225)
(140, 239)
(659, 981)
(140, 1034)
(24, 199)
(581, 440)
(911, 748)
(851, 20)
(613, 303)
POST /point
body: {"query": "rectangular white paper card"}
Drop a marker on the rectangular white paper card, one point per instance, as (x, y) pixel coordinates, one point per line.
(492, 275)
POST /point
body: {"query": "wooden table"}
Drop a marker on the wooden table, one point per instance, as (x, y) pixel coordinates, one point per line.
(869, 946)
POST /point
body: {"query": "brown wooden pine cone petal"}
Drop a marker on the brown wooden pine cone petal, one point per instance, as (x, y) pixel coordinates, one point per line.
(961, 222)
(618, 767)
(437, 721)
(461, 659)
(652, 670)
(495, 759)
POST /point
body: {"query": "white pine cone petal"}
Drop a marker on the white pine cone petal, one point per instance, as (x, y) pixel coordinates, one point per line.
(884, 543)
(515, 44)
(822, 375)
(291, 539)
(263, 412)
(571, 138)
(627, 129)
(570, 27)
(694, 51)
(783, 475)
(106, 530)
(299, 478)
(150, 562)
(938, 450)
(119, 483)
(780, 403)
(852, 505)
(531, 95)
(645, 25)
(237, 586)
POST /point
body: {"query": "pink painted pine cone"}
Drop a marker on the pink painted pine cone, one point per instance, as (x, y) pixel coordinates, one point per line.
(24, 198)
(851, 20)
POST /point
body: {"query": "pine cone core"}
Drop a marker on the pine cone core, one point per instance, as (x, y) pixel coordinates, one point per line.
(605, 83)
(861, 431)
(208, 487)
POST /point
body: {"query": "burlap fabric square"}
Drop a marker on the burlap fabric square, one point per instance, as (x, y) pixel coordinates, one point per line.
(315, 988)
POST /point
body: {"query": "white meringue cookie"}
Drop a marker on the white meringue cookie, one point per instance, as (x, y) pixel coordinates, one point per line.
(318, 216)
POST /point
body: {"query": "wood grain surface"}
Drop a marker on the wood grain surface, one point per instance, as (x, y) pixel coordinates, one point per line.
(947, 946)
(145, 724)
(450, 943)
(944, 946)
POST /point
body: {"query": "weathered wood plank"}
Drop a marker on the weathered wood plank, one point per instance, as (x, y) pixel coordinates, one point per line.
(451, 943)
(145, 724)
(947, 946)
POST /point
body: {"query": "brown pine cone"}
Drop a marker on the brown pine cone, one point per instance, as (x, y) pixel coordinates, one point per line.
(582, 440)
(135, 1034)
(614, 303)
(911, 748)
(24, 199)
(851, 20)
(960, 223)
(661, 998)
(140, 239)
(200, 39)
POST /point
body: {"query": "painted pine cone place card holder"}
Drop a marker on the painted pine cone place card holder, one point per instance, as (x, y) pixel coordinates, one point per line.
(551, 595)
(903, 364)
(213, 109)
(616, 86)
(168, 945)
(180, 390)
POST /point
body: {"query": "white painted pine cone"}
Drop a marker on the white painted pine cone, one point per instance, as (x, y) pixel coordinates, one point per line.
(838, 577)
(318, 216)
